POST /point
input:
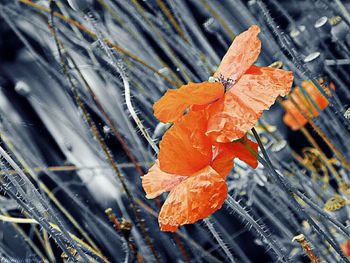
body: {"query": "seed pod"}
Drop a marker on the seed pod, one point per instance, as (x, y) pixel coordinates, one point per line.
(323, 27)
(80, 5)
(282, 150)
(315, 61)
(125, 225)
(340, 31)
(299, 36)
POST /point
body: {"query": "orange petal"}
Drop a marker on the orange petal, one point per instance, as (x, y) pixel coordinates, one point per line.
(237, 112)
(173, 104)
(242, 152)
(226, 152)
(184, 148)
(156, 182)
(193, 199)
(223, 164)
(242, 53)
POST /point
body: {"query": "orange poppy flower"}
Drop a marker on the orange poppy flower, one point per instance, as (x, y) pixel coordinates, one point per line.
(294, 116)
(197, 152)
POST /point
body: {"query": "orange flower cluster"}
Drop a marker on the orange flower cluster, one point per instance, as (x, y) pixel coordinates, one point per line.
(298, 106)
(210, 122)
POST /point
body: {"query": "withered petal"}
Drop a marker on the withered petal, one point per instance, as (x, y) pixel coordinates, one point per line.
(184, 148)
(193, 199)
(242, 53)
(156, 182)
(237, 112)
(225, 153)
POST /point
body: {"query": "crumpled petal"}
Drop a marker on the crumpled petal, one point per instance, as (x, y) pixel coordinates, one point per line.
(242, 152)
(156, 182)
(225, 153)
(193, 199)
(242, 53)
(294, 116)
(184, 148)
(223, 164)
(174, 103)
(236, 113)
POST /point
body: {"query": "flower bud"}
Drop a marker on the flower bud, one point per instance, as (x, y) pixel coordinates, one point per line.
(315, 62)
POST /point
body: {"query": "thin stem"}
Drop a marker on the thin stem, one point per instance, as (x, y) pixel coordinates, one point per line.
(133, 113)
(45, 188)
(236, 207)
(34, 213)
(27, 239)
(126, 84)
(289, 190)
(101, 142)
(312, 141)
(35, 193)
(193, 243)
(6, 218)
(171, 18)
(124, 25)
(217, 237)
(90, 33)
(108, 118)
(162, 40)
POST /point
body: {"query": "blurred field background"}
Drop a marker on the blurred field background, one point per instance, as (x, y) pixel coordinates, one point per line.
(78, 79)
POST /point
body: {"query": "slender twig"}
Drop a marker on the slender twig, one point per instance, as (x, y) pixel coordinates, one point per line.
(90, 33)
(236, 207)
(217, 237)
(290, 193)
(101, 142)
